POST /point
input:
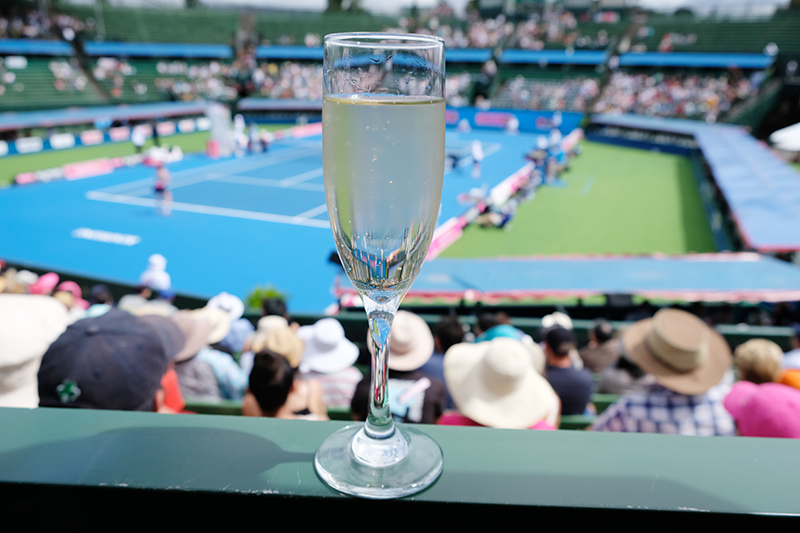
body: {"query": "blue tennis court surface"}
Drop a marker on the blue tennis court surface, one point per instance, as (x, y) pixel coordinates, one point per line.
(236, 223)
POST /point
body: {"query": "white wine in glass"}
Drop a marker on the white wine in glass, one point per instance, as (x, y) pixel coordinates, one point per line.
(383, 119)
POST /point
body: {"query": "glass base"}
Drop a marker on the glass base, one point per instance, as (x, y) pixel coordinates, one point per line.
(353, 463)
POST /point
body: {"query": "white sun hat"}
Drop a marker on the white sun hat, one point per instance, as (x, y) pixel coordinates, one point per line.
(327, 350)
(495, 384)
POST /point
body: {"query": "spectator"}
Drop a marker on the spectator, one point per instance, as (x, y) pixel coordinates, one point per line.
(758, 361)
(495, 384)
(414, 397)
(282, 340)
(114, 361)
(690, 363)
(241, 328)
(766, 410)
(449, 331)
(623, 376)
(130, 302)
(226, 379)
(29, 325)
(275, 391)
(45, 284)
(791, 359)
(329, 357)
(573, 386)
(155, 276)
(603, 349)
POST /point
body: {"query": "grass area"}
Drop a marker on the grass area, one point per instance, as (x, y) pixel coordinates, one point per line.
(15, 164)
(615, 201)
(796, 165)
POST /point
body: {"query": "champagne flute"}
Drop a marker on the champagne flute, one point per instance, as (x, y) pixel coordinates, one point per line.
(383, 129)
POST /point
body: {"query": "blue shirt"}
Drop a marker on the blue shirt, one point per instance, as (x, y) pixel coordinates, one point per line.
(231, 378)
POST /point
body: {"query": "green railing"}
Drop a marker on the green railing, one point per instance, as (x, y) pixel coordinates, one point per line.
(68, 467)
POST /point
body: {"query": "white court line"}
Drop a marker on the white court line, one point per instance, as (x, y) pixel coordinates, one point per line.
(231, 166)
(305, 176)
(311, 213)
(587, 186)
(210, 210)
(266, 182)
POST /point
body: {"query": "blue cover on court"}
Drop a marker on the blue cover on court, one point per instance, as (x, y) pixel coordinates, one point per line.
(88, 115)
(713, 277)
(556, 57)
(762, 190)
(236, 223)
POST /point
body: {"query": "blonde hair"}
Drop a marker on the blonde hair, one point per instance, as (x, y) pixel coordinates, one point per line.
(759, 361)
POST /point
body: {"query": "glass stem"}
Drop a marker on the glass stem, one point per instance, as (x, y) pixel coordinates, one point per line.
(379, 423)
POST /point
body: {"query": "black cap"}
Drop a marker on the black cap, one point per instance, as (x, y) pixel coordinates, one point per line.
(113, 361)
(560, 340)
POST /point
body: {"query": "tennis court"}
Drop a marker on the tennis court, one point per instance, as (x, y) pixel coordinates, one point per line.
(236, 223)
(613, 200)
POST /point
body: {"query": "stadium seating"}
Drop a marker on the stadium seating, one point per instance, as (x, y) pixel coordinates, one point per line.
(162, 25)
(693, 35)
(34, 88)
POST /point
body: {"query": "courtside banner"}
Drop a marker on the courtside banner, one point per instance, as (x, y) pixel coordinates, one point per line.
(28, 145)
(60, 141)
(308, 130)
(203, 124)
(451, 117)
(186, 125)
(492, 119)
(3, 148)
(165, 128)
(90, 137)
(88, 169)
(122, 133)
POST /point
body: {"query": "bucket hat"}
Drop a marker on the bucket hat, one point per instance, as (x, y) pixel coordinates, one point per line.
(410, 343)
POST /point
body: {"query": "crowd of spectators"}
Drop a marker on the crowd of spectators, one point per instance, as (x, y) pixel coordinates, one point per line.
(562, 95)
(557, 28)
(697, 96)
(674, 373)
(35, 24)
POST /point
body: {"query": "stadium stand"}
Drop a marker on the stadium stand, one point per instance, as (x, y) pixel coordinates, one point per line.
(45, 83)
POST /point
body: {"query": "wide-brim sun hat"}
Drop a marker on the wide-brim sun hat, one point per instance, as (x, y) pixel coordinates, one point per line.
(327, 350)
(410, 342)
(221, 324)
(495, 384)
(196, 330)
(681, 352)
(29, 324)
(229, 303)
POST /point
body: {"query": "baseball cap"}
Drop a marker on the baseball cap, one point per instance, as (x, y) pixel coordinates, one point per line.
(766, 410)
(114, 361)
(560, 340)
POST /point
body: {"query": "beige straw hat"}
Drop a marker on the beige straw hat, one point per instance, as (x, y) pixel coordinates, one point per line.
(495, 384)
(410, 343)
(679, 350)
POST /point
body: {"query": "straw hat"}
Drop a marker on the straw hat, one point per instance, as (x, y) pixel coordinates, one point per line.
(327, 351)
(410, 343)
(495, 384)
(679, 350)
(221, 323)
(268, 323)
(284, 341)
(196, 328)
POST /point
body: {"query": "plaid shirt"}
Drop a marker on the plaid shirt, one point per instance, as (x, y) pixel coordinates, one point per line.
(660, 410)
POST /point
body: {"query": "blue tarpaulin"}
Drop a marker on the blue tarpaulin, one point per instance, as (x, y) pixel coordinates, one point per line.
(702, 277)
(557, 57)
